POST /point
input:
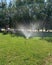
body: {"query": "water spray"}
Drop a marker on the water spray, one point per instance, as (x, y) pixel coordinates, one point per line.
(27, 31)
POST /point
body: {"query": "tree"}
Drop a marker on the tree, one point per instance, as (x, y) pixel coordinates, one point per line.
(27, 11)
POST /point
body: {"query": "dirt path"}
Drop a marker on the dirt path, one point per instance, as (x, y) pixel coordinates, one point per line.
(48, 61)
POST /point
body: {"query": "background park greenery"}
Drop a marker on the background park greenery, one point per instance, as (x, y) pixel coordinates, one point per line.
(25, 12)
(17, 50)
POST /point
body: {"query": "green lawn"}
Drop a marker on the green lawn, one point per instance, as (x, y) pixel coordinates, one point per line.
(21, 51)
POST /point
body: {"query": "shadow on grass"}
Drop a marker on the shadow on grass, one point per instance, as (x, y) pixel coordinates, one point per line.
(44, 36)
(49, 39)
(13, 34)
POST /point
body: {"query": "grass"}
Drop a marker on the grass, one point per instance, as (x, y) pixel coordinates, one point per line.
(21, 51)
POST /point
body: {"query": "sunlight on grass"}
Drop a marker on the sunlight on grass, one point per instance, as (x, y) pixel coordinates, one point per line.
(20, 51)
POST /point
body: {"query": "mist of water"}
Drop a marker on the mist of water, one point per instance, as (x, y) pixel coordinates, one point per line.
(28, 30)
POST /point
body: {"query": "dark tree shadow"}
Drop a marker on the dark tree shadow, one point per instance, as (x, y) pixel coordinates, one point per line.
(49, 39)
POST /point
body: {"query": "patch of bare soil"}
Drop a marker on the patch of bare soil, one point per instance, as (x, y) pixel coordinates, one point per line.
(47, 60)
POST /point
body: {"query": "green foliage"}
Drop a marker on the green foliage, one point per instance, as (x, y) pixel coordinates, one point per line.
(29, 11)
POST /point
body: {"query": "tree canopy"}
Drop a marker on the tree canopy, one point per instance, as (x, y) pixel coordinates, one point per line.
(26, 11)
